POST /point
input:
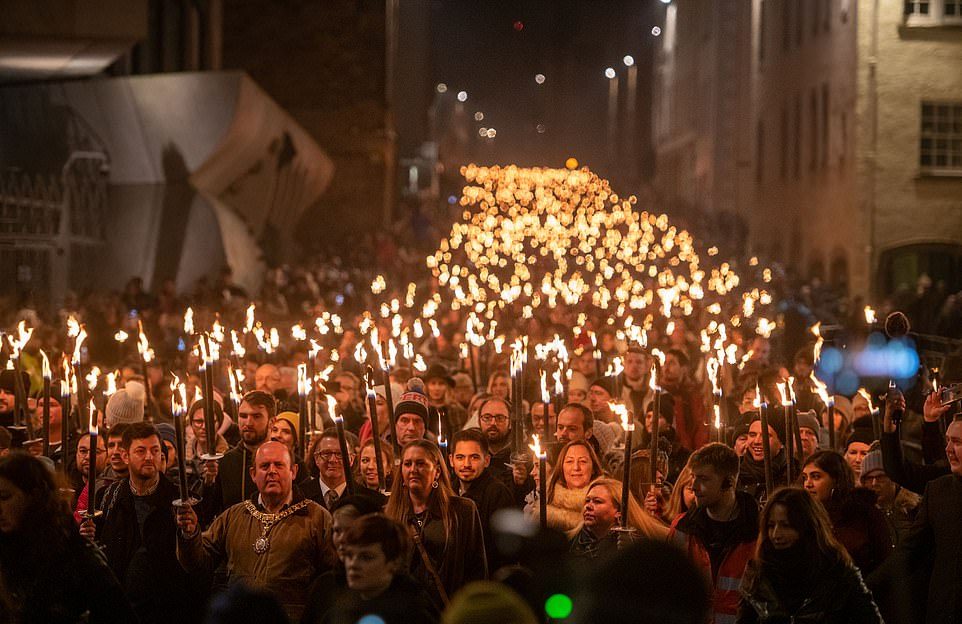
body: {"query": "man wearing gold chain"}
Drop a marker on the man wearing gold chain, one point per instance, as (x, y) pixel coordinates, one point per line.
(276, 540)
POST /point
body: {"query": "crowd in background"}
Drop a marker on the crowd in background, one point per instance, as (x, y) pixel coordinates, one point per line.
(847, 512)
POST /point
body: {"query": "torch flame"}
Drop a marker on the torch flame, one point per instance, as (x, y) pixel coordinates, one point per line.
(237, 349)
(303, 386)
(545, 395)
(757, 401)
(73, 327)
(653, 379)
(45, 365)
(782, 393)
(868, 398)
(250, 319)
(870, 315)
(121, 336)
(717, 410)
(621, 412)
(142, 345)
(535, 447)
(189, 321)
(78, 343)
(332, 409)
(298, 332)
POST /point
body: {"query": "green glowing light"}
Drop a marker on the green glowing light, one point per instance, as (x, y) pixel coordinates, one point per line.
(558, 606)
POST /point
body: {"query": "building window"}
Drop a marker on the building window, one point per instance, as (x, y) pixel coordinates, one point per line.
(940, 140)
(932, 12)
(916, 7)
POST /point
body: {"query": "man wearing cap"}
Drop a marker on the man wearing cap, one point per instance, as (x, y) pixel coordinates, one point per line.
(897, 503)
(411, 413)
(441, 407)
(751, 473)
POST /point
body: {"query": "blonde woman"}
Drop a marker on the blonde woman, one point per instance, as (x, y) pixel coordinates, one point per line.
(594, 537)
(577, 466)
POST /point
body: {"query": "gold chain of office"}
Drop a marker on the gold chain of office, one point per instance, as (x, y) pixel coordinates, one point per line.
(262, 544)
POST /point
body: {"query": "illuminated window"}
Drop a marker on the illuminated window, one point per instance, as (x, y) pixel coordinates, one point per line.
(940, 138)
(932, 12)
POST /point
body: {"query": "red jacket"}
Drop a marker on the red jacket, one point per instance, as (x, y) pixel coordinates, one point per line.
(690, 416)
(726, 582)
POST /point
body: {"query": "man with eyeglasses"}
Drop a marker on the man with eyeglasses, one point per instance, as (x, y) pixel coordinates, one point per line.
(494, 419)
(331, 482)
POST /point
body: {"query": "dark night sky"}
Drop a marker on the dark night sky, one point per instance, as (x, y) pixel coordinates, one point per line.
(477, 48)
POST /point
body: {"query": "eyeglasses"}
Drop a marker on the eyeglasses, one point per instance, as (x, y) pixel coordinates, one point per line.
(489, 418)
(328, 455)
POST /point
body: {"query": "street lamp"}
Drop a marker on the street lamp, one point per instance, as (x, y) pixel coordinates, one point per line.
(610, 73)
(629, 60)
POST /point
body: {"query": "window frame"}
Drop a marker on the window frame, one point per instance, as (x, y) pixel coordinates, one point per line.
(950, 136)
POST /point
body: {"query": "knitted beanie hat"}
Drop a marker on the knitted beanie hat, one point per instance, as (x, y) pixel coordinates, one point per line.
(872, 462)
(127, 404)
(808, 420)
(167, 433)
(413, 401)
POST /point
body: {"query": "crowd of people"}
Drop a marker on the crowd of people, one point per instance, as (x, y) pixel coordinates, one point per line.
(427, 505)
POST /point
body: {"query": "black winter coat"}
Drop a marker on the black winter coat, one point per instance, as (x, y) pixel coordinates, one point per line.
(838, 597)
(404, 602)
(458, 558)
(78, 587)
(489, 495)
(934, 543)
(119, 533)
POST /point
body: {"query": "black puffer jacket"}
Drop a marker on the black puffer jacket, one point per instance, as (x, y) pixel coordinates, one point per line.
(836, 596)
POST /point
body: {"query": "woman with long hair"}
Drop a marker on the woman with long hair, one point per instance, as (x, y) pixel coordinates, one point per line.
(682, 497)
(800, 572)
(856, 520)
(446, 529)
(48, 572)
(499, 384)
(577, 466)
(603, 512)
